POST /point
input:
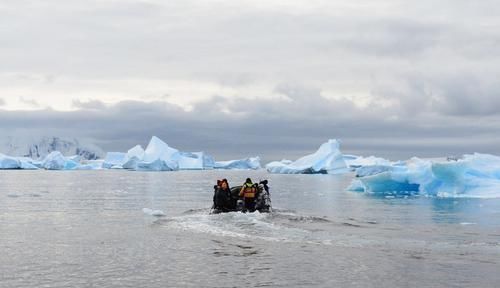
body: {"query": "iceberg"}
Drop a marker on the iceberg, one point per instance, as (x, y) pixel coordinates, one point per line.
(191, 161)
(476, 175)
(54, 161)
(134, 156)
(326, 160)
(7, 162)
(251, 163)
(354, 161)
(114, 160)
(157, 149)
(151, 212)
(90, 165)
(74, 158)
(208, 162)
(373, 169)
(27, 164)
(158, 156)
(71, 165)
(157, 165)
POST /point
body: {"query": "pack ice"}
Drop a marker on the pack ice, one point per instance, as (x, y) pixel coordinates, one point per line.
(326, 160)
(476, 175)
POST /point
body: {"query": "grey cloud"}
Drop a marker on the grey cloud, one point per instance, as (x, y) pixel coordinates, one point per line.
(462, 94)
(2, 102)
(274, 133)
(468, 96)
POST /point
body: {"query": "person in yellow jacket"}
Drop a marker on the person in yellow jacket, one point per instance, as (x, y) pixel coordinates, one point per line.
(248, 192)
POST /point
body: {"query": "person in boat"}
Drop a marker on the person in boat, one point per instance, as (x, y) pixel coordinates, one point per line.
(263, 201)
(222, 196)
(265, 186)
(248, 192)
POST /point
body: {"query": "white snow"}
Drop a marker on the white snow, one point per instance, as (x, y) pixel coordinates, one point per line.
(327, 159)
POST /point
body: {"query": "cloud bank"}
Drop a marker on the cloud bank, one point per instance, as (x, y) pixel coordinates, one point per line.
(275, 78)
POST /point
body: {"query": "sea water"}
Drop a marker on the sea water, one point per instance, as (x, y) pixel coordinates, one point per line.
(153, 229)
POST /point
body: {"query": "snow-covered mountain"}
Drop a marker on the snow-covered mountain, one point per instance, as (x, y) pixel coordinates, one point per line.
(37, 148)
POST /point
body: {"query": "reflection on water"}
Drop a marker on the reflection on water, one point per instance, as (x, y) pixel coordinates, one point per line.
(89, 229)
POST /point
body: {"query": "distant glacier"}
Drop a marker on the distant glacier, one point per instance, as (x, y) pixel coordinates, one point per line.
(39, 147)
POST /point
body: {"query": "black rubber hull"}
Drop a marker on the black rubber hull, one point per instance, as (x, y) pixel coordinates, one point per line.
(263, 203)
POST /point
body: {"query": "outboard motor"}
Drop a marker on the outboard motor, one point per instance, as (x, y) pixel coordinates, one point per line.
(240, 205)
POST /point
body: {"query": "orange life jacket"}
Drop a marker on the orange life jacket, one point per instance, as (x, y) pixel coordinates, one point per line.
(248, 191)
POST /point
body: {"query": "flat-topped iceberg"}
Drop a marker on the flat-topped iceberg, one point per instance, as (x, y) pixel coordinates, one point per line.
(326, 160)
(27, 163)
(476, 175)
(191, 161)
(7, 162)
(252, 163)
(354, 161)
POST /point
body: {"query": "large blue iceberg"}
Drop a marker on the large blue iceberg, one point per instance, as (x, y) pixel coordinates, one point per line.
(476, 175)
(326, 160)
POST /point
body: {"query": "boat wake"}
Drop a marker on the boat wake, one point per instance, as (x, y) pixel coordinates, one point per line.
(277, 226)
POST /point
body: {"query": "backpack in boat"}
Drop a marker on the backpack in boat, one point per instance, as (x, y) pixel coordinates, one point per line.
(221, 198)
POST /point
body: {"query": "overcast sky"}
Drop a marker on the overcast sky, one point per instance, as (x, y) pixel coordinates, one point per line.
(391, 78)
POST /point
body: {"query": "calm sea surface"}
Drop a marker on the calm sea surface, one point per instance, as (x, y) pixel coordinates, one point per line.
(88, 229)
